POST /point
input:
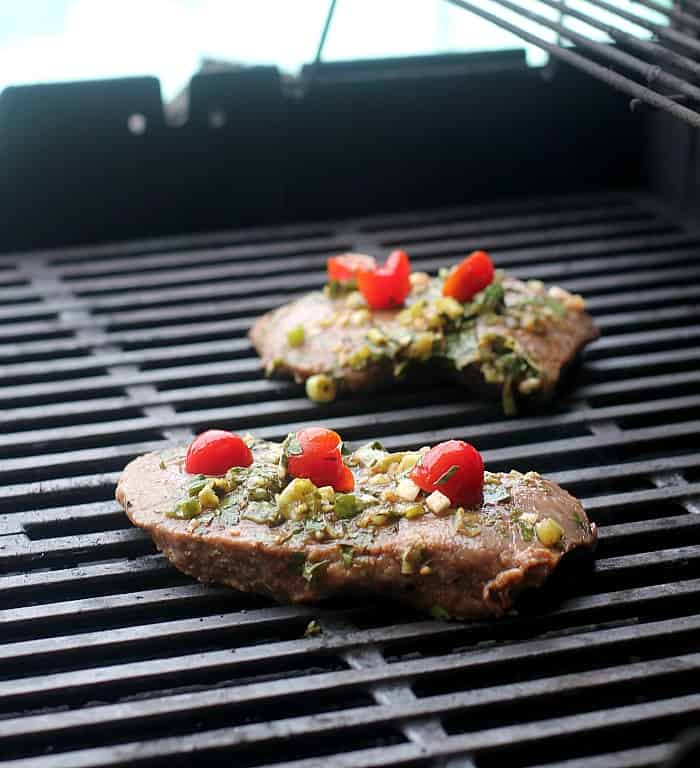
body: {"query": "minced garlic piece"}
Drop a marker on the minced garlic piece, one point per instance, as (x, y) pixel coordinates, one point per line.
(360, 317)
(355, 300)
(419, 281)
(437, 502)
(536, 285)
(407, 489)
(446, 305)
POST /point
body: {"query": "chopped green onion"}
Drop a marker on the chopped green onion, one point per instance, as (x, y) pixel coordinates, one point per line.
(185, 510)
(345, 505)
(296, 336)
(320, 388)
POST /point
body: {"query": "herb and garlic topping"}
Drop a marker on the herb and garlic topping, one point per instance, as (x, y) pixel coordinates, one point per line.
(516, 335)
(309, 517)
(387, 491)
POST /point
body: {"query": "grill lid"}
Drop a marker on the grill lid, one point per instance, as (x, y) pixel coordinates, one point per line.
(109, 657)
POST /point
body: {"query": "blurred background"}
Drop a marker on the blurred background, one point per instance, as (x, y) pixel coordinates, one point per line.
(63, 40)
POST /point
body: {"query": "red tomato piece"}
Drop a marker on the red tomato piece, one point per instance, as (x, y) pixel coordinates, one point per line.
(215, 451)
(386, 287)
(454, 468)
(344, 267)
(345, 481)
(320, 459)
(469, 277)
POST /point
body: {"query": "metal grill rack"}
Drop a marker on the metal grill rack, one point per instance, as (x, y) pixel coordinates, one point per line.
(109, 657)
(660, 72)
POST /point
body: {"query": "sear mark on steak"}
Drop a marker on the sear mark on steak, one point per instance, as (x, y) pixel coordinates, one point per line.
(464, 564)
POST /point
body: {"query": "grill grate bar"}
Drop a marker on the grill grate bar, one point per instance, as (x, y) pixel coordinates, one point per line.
(139, 671)
(104, 620)
(572, 614)
(488, 739)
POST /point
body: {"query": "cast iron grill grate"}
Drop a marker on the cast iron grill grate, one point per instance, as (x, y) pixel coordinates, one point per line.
(109, 657)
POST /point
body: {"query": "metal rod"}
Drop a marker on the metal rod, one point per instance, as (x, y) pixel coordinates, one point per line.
(651, 73)
(661, 31)
(652, 49)
(583, 64)
(324, 32)
(685, 5)
(672, 13)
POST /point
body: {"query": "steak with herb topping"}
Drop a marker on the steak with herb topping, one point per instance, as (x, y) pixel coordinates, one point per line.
(288, 540)
(513, 340)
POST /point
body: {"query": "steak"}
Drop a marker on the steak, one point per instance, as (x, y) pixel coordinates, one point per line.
(292, 542)
(512, 341)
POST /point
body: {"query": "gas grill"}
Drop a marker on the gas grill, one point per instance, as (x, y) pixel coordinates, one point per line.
(113, 344)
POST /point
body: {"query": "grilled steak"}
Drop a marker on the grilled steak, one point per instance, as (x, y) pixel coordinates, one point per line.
(293, 542)
(512, 341)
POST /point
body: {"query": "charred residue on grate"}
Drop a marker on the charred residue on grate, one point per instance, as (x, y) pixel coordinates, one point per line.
(108, 654)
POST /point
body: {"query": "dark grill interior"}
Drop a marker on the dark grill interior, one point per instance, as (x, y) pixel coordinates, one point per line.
(109, 657)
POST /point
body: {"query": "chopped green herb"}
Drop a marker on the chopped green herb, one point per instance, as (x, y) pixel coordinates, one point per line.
(493, 494)
(311, 571)
(445, 476)
(580, 521)
(235, 476)
(347, 555)
(334, 288)
(292, 446)
(297, 561)
(185, 510)
(467, 523)
(370, 453)
(413, 511)
(345, 505)
(262, 513)
(557, 307)
(411, 558)
(259, 494)
(230, 516)
(492, 299)
(313, 629)
(162, 464)
(438, 612)
(195, 487)
(527, 531)
(463, 347)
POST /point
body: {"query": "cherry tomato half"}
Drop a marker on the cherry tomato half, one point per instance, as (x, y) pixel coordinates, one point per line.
(469, 277)
(345, 481)
(215, 451)
(344, 267)
(320, 459)
(454, 468)
(386, 287)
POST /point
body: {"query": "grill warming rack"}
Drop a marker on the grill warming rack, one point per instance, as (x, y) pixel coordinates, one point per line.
(109, 657)
(660, 72)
